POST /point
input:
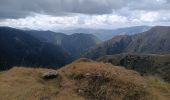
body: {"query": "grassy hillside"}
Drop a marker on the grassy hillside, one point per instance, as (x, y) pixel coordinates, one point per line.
(81, 80)
(48, 36)
(116, 45)
(75, 44)
(78, 43)
(154, 41)
(157, 65)
(19, 48)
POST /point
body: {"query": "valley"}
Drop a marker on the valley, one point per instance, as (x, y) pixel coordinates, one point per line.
(84, 49)
(26, 56)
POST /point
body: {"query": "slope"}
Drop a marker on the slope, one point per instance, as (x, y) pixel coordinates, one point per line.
(74, 44)
(116, 45)
(78, 43)
(47, 36)
(19, 48)
(156, 65)
(154, 41)
(83, 79)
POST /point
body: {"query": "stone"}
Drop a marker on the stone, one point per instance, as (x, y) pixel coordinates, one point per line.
(50, 75)
(87, 75)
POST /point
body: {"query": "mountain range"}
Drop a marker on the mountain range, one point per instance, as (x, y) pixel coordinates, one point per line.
(41, 48)
(47, 48)
(20, 48)
(127, 67)
(154, 41)
(75, 44)
(106, 34)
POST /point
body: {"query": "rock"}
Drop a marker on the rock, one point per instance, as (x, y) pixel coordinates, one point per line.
(87, 75)
(50, 75)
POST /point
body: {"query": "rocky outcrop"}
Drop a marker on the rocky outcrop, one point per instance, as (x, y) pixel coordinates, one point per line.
(50, 74)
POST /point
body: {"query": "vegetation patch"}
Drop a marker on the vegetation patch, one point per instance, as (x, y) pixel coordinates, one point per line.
(98, 87)
(155, 65)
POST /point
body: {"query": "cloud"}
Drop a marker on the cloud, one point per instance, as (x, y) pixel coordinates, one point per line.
(45, 22)
(58, 14)
(149, 5)
(20, 8)
(107, 21)
(23, 8)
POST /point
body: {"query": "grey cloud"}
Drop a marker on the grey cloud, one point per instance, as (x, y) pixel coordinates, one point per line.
(150, 5)
(20, 8)
(23, 8)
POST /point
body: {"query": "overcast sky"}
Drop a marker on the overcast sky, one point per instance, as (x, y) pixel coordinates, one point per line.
(66, 14)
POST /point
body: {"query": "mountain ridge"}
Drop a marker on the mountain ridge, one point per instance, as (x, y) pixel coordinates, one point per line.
(19, 48)
(75, 44)
(155, 40)
(106, 34)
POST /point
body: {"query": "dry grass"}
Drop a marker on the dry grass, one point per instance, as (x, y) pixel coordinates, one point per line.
(159, 87)
(115, 82)
(104, 82)
(27, 84)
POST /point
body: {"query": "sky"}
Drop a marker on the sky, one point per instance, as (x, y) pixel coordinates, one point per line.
(69, 14)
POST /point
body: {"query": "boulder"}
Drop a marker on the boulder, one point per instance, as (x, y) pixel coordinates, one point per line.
(50, 74)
